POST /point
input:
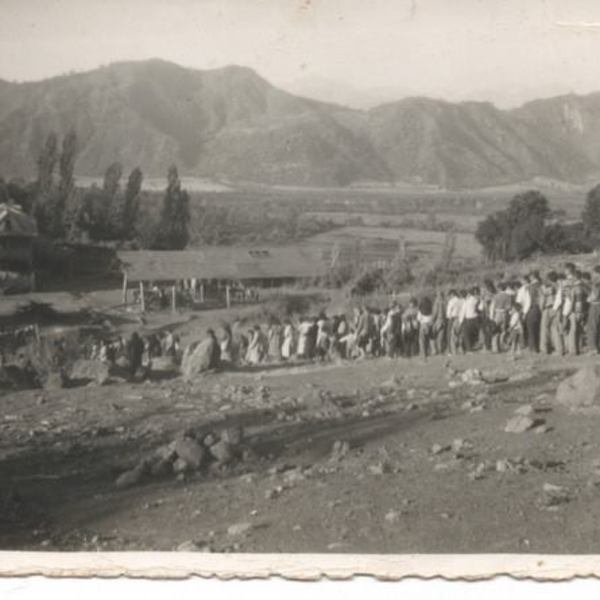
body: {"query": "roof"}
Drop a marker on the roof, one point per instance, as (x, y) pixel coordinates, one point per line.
(224, 262)
(16, 223)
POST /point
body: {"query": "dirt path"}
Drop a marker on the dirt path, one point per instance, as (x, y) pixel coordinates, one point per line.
(428, 467)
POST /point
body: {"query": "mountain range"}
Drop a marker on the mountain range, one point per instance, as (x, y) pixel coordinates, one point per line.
(231, 124)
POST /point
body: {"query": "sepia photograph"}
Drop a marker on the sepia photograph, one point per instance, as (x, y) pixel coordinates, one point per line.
(300, 277)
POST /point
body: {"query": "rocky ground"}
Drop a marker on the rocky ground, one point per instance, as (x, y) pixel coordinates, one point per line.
(469, 454)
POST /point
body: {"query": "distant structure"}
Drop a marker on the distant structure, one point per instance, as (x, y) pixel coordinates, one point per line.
(17, 234)
(221, 267)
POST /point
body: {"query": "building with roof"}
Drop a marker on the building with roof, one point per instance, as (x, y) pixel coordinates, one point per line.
(17, 234)
(257, 266)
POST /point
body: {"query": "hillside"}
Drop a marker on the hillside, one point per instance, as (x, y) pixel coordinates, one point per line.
(231, 124)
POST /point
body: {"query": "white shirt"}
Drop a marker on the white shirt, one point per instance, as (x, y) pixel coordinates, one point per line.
(469, 308)
(453, 308)
(424, 319)
(524, 298)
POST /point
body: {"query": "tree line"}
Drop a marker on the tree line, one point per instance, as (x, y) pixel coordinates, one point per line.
(528, 226)
(109, 213)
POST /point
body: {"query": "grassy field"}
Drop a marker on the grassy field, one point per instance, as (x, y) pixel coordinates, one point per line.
(422, 246)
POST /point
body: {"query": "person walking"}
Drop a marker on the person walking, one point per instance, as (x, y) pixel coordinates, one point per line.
(135, 352)
(534, 314)
(500, 313)
(425, 320)
(593, 318)
(470, 318)
(453, 311)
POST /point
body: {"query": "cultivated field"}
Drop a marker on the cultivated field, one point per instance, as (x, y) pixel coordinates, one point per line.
(424, 246)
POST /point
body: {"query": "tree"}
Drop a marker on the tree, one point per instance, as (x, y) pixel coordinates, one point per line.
(590, 215)
(93, 217)
(64, 210)
(66, 165)
(132, 202)
(517, 231)
(46, 205)
(172, 230)
(112, 179)
(46, 163)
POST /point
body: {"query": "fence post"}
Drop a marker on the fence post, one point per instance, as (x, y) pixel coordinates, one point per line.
(142, 299)
(125, 288)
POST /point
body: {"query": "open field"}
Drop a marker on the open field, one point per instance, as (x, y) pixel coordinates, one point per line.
(448, 478)
(425, 246)
(462, 223)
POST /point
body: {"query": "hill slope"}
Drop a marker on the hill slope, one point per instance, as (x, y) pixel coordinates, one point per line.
(230, 123)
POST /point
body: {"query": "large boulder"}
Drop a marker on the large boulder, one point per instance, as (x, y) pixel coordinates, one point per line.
(199, 358)
(163, 363)
(190, 451)
(581, 390)
(163, 366)
(55, 380)
(90, 370)
(133, 476)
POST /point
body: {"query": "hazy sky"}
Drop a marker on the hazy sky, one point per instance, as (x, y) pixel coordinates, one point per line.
(362, 51)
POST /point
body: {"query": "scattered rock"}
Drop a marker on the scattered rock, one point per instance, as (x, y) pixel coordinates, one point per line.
(581, 390)
(478, 472)
(380, 468)
(393, 516)
(131, 477)
(521, 424)
(522, 376)
(233, 435)
(526, 410)
(541, 429)
(55, 380)
(190, 451)
(507, 465)
(209, 439)
(321, 403)
(339, 450)
(163, 366)
(192, 546)
(554, 496)
(438, 448)
(392, 383)
(180, 466)
(472, 377)
(223, 452)
(90, 371)
(239, 529)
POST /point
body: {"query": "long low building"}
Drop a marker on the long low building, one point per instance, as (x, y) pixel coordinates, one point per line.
(225, 263)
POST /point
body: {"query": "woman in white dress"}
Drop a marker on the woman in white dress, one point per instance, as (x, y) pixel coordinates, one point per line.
(287, 347)
(303, 331)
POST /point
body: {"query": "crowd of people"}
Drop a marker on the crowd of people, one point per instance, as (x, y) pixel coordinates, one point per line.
(137, 351)
(558, 313)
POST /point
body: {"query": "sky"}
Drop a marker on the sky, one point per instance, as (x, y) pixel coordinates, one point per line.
(359, 52)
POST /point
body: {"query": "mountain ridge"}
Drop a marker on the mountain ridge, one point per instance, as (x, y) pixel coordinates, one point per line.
(231, 123)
